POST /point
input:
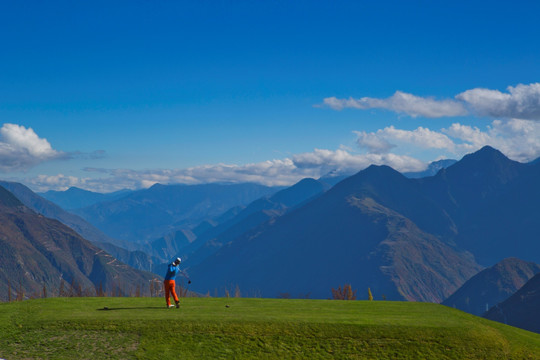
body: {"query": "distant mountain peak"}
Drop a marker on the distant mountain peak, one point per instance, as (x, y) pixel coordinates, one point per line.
(158, 186)
(306, 181)
(76, 190)
(374, 167)
(299, 192)
(376, 172)
(375, 179)
(488, 148)
(485, 154)
(483, 167)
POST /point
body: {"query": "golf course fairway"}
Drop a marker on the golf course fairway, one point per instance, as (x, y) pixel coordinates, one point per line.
(242, 328)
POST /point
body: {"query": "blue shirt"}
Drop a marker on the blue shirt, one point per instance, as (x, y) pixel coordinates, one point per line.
(172, 271)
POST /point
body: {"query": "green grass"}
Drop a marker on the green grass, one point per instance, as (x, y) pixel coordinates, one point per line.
(204, 328)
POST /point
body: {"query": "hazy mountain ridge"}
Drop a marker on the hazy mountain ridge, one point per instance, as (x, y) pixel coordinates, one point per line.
(75, 198)
(148, 214)
(256, 213)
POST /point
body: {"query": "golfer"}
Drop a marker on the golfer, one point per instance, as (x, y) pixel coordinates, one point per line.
(169, 283)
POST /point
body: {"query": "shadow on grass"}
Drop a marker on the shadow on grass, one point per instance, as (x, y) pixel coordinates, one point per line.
(131, 308)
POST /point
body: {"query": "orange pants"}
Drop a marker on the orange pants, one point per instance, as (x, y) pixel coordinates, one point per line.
(169, 287)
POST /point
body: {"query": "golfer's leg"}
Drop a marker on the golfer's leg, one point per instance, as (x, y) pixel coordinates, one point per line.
(173, 291)
(167, 288)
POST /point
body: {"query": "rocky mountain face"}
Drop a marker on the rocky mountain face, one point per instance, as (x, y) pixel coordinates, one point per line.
(38, 255)
(492, 202)
(137, 259)
(492, 286)
(521, 309)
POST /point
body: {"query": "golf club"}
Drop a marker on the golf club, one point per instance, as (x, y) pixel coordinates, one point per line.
(185, 275)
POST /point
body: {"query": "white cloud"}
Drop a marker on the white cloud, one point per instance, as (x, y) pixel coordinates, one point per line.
(402, 102)
(325, 161)
(22, 148)
(420, 137)
(272, 172)
(383, 140)
(471, 135)
(373, 142)
(321, 161)
(520, 102)
(518, 139)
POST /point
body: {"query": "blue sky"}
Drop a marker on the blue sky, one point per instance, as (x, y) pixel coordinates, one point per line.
(106, 95)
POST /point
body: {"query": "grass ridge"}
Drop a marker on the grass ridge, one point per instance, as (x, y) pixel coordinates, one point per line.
(142, 328)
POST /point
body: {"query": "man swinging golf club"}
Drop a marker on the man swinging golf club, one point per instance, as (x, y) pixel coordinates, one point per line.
(169, 282)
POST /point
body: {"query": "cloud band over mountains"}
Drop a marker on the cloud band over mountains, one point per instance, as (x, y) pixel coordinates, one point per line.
(518, 139)
(272, 172)
(519, 102)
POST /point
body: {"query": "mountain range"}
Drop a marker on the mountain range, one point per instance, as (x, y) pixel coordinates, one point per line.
(349, 234)
(377, 220)
(404, 238)
(41, 256)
